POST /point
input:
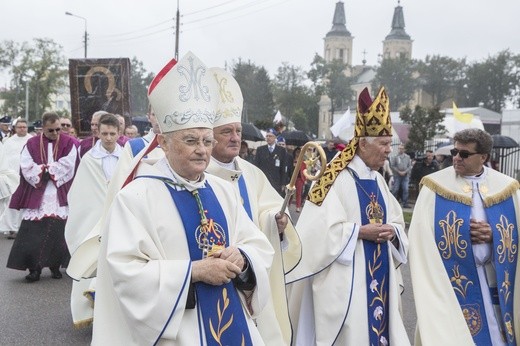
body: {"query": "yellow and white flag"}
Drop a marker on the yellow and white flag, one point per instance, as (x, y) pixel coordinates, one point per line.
(462, 120)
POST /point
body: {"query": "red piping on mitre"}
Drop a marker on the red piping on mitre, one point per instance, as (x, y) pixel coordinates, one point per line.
(161, 74)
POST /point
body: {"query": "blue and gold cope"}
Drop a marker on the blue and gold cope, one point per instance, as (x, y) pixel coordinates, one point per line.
(453, 240)
(376, 262)
(219, 307)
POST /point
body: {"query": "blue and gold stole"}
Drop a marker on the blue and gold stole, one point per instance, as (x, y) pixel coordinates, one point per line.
(245, 197)
(376, 262)
(220, 308)
(453, 240)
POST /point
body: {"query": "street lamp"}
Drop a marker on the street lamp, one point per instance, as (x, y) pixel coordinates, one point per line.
(85, 38)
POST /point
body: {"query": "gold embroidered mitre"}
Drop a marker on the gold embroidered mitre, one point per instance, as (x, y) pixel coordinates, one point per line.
(372, 120)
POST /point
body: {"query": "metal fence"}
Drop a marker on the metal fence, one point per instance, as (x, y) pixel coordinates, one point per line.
(507, 161)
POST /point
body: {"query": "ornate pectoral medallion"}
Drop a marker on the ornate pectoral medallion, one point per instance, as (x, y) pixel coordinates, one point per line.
(374, 211)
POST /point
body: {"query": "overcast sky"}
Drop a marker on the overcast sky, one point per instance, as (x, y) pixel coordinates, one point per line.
(268, 32)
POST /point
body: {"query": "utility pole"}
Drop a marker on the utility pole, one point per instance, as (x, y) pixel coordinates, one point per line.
(85, 38)
(177, 29)
(27, 100)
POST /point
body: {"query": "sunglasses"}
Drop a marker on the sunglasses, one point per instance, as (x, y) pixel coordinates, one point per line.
(53, 130)
(66, 125)
(464, 154)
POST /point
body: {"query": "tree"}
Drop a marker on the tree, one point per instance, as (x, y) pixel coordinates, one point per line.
(424, 124)
(493, 81)
(293, 98)
(140, 79)
(329, 79)
(39, 66)
(439, 76)
(255, 84)
(397, 76)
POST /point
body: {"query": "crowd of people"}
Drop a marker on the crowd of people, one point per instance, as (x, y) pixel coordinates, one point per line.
(179, 237)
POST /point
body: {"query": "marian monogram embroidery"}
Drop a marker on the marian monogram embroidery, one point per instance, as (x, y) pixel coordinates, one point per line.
(193, 87)
(506, 249)
(451, 236)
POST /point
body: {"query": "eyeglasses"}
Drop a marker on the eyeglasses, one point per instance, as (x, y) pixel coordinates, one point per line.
(194, 142)
(66, 125)
(54, 130)
(464, 154)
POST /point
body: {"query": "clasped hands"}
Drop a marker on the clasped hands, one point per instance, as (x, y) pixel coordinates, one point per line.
(377, 232)
(219, 268)
(480, 232)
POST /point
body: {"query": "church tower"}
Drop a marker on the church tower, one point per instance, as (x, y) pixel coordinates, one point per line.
(337, 46)
(338, 41)
(398, 43)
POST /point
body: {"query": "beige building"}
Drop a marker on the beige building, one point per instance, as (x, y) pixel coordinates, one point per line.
(338, 44)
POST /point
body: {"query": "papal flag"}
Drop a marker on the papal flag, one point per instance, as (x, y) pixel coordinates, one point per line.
(462, 120)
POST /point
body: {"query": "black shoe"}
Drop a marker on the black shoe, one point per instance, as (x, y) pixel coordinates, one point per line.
(56, 274)
(33, 276)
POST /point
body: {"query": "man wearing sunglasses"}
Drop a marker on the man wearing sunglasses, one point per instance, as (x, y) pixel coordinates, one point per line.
(47, 166)
(464, 250)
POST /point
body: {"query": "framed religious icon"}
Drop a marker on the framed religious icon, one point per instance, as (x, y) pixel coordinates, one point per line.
(98, 84)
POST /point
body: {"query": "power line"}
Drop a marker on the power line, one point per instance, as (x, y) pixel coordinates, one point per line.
(209, 8)
(227, 12)
(233, 18)
(145, 35)
(138, 30)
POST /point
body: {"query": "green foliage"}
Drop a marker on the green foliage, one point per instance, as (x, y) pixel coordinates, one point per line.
(439, 77)
(295, 100)
(39, 66)
(329, 78)
(425, 123)
(396, 75)
(140, 79)
(256, 89)
(493, 81)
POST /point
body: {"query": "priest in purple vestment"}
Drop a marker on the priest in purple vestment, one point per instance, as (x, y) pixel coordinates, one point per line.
(47, 167)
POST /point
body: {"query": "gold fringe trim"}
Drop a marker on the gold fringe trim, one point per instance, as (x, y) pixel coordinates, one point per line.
(502, 195)
(452, 196)
(83, 324)
(489, 201)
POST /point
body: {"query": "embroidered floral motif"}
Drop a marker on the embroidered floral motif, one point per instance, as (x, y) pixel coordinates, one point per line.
(506, 249)
(379, 300)
(222, 326)
(452, 237)
(505, 289)
(461, 282)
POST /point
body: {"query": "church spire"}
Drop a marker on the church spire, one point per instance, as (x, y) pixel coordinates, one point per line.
(339, 27)
(398, 25)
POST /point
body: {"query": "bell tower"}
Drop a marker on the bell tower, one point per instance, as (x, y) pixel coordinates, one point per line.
(397, 43)
(338, 41)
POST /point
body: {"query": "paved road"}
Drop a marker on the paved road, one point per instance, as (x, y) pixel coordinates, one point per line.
(39, 314)
(35, 313)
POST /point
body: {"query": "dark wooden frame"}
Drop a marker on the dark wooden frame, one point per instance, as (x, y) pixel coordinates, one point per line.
(98, 84)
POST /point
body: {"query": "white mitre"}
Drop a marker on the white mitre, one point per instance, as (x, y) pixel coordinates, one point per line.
(230, 99)
(183, 96)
